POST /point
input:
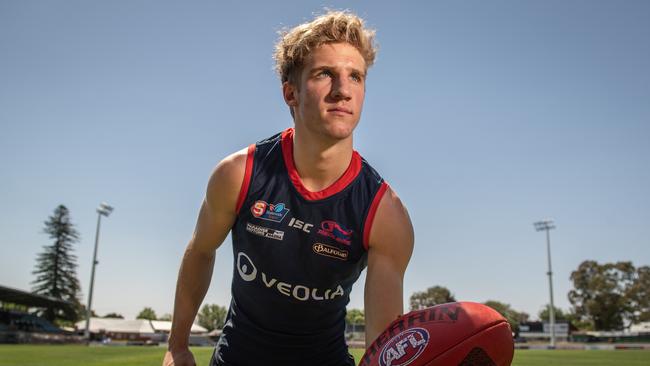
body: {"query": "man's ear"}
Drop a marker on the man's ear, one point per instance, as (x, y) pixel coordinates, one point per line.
(290, 94)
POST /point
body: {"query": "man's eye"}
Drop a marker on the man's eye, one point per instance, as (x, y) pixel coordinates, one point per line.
(324, 73)
(356, 77)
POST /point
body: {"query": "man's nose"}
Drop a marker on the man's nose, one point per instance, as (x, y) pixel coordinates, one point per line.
(341, 87)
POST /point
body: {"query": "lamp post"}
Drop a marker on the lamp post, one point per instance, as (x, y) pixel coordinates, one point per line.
(104, 209)
(547, 225)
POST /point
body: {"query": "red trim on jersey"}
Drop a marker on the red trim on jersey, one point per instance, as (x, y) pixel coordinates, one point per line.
(350, 173)
(243, 191)
(371, 213)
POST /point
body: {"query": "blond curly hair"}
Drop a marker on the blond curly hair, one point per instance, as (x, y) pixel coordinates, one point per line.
(295, 44)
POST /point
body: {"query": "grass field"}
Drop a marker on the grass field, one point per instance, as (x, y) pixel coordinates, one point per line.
(28, 355)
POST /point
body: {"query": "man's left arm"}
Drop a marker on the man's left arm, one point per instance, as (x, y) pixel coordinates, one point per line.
(390, 246)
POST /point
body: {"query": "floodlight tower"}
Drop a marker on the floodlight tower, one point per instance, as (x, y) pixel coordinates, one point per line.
(547, 225)
(104, 209)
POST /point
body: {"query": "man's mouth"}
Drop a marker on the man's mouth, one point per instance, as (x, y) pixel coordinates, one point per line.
(341, 110)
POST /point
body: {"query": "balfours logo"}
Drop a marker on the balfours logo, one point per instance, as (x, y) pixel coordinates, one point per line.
(404, 348)
(334, 230)
(272, 212)
(330, 251)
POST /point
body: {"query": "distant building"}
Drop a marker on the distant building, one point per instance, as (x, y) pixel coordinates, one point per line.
(199, 336)
(541, 331)
(138, 331)
(638, 333)
(19, 324)
(642, 328)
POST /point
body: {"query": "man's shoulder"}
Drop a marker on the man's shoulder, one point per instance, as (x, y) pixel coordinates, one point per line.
(232, 165)
(231, 175)
(274, 138)
(391, 219)
(370, 170)
(226, 179)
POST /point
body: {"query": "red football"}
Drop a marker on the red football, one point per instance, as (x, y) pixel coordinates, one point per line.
(453, 334)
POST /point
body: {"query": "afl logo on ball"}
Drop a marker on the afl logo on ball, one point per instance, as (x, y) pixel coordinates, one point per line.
(404, 348)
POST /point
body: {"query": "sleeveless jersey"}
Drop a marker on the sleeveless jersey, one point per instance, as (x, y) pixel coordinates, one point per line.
(296, 255)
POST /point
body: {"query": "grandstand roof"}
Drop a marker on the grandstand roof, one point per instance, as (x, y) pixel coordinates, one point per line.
(117, 325)
(166, 326)
(132, 326)
(8, 294)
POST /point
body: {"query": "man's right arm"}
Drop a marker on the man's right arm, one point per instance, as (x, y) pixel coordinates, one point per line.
(216, 217)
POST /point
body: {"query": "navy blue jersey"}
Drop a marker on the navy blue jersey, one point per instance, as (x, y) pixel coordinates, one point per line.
(296, 255)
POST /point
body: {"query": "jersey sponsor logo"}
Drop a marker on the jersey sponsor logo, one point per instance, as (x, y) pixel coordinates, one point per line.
(267, 211)
(334, 230)
(264, 231)
(246, 268)
(248, 272)
(330, 251)
(404, 348)
(304, 226)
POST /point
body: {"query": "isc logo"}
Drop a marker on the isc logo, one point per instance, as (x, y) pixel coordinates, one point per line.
(306, 227)
(404, 348)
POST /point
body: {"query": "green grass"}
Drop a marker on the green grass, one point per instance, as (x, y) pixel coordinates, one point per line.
(55, 355)
(577, 358)
(33, 355)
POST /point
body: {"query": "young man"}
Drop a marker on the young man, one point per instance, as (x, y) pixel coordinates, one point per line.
(307, 215)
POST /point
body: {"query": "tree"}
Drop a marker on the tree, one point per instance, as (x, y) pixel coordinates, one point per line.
(601, 293)
(544, 314)
(579, 322)
(113, 316)
(432, 296)
(147, 313)
(56, 267)
(512, 316)
(166, 317)
(639, 296)
(562, 316)
(355, 317)
(82, 312)
(212, 316)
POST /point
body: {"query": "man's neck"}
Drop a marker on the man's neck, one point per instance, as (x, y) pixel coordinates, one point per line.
(320, 162)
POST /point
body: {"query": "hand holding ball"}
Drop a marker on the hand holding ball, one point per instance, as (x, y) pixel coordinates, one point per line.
(453, 334)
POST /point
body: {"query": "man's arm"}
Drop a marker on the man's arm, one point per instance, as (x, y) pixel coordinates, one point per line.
(389, 250)
(216, 217)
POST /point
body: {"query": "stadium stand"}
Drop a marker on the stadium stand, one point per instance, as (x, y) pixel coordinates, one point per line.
(541, 331)
(18, 325)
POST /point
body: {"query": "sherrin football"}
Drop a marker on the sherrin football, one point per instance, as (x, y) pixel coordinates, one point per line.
(453, 334)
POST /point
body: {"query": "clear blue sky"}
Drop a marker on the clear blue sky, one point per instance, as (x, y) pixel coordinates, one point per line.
(483, 116)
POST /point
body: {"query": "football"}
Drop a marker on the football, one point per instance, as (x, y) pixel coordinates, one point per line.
(452, 334)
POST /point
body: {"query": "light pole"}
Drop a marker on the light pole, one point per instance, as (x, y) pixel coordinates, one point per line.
(547, 225)
(104, 209)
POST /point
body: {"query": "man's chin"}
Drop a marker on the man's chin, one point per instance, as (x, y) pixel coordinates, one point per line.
(339, 134)
(339, 131)
(334, 131)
